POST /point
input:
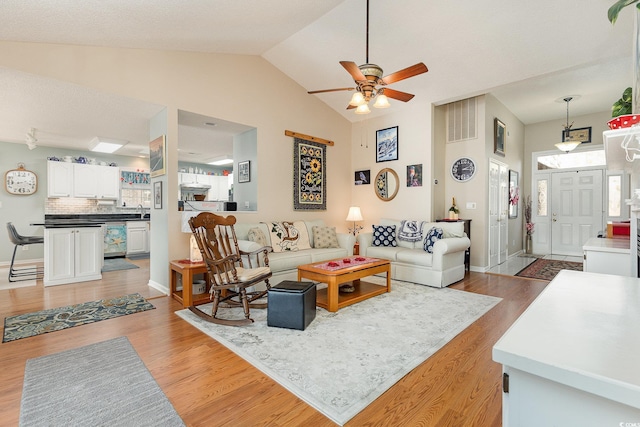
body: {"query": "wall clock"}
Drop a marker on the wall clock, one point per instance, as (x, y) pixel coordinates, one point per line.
(20, 181)
(463, 169)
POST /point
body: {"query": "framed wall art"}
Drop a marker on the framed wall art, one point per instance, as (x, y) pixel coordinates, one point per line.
(157, 156)
(244, 171)
(414, 175)
(157, 195)
(582, 135)
(387, 144)
(499, 137)
(362, 177)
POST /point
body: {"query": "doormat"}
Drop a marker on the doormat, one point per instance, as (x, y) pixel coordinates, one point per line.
(55, 319)
(546, 269)
(115, 264)
(102, 384)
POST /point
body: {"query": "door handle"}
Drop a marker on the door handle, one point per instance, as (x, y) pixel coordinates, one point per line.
(555, 220)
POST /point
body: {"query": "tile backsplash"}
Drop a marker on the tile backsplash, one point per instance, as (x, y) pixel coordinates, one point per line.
(71, 206)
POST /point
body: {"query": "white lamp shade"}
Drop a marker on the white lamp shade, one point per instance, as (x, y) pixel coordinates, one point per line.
(381, 102)
(363, 109)
(354, 214)
(567, 146)
(357, 99)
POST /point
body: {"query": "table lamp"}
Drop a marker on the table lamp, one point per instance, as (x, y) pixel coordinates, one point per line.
(354, 216)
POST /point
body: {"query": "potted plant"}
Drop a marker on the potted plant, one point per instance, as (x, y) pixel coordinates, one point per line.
(528, 225)
(614, 10)
(621, 112)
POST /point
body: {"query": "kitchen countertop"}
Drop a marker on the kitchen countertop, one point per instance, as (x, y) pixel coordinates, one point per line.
(87, 220)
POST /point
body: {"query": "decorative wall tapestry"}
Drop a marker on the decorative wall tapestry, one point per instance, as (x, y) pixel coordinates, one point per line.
(309, 175)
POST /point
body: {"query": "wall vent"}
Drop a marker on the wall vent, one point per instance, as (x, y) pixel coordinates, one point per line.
(462, 120)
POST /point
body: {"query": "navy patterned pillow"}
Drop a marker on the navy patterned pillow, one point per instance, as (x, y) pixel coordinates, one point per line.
(384, 235)
(433, 236)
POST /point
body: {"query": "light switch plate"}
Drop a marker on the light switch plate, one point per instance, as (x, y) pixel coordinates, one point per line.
(471, 205)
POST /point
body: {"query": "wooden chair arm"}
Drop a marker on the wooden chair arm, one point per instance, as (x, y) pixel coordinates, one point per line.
(254, 256)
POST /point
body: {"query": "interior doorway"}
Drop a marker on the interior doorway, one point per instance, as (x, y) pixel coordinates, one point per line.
(498, 210)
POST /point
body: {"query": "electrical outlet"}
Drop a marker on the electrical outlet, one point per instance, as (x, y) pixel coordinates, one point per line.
(471, 205)
(246, 205)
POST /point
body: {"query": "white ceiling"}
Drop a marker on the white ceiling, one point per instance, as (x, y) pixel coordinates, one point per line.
(527, 54)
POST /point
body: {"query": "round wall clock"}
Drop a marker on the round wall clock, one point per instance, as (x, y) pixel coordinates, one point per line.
(463, 169)
(20, 181)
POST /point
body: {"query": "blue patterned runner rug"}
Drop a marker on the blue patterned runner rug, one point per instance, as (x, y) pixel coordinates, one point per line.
(55, 319)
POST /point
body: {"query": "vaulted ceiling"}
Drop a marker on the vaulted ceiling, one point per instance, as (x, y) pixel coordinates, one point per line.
(527, 54)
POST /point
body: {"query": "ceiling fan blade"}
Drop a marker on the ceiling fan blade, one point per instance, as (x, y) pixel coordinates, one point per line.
(351, 107)
(396, 94)
(414, 70)
(353, 69)
(331, 90)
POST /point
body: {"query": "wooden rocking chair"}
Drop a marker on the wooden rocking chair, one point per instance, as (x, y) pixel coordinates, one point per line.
(225, 262)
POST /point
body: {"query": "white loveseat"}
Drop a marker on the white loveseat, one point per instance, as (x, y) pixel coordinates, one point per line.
(284, 265)
(411, 263)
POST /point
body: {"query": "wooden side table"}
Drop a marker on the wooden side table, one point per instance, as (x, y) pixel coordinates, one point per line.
(187, 269)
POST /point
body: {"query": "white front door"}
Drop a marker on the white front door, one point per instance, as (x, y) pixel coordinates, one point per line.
(498, 205)
(576, 210)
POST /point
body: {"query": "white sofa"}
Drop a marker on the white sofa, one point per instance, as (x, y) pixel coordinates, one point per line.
(284, 265)
(411, 263)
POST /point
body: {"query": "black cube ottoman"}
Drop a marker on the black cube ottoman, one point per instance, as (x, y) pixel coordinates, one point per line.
(292, 305)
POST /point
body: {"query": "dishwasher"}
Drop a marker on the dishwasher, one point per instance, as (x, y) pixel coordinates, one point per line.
(115, 239)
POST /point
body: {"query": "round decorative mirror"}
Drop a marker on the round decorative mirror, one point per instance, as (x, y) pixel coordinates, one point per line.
(387, 184)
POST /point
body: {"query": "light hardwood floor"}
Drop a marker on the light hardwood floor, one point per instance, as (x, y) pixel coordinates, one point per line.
(210, 386)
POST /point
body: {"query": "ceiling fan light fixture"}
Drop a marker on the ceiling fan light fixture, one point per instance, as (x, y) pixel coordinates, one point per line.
(381, 102)
(363, 109)
(357, 99)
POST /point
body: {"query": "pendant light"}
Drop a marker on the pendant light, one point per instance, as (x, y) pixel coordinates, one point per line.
(566, 145)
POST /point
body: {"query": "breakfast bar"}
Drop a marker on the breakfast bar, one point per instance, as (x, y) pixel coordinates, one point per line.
(571, 358)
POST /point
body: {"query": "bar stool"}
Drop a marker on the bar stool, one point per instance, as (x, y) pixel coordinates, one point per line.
(27, 273)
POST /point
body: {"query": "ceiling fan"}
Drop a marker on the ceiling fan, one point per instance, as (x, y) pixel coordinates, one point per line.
(370, 84)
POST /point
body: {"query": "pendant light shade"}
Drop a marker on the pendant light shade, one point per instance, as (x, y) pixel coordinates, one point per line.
(363, 109)
(567, 145)
(357, 99)
(382, 102)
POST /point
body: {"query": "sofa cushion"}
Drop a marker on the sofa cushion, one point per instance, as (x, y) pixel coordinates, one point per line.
(283, 261)
(433, 235)
(256, 235)
(325, 237)
(385, 252)
(410, 230)
(319, 255)
(384, 235)
(287, 236)
(449, 229)
(415, 257)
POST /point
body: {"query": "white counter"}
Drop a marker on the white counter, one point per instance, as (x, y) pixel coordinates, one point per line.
(573, 357)
(607, 256)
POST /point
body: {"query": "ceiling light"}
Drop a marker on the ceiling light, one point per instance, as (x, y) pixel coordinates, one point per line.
(357, 99)
(102, 145)
(363, 109)
(220, 161)
(381, 102)
(567, 145)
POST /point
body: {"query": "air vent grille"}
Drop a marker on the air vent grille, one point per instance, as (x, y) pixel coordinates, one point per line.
(462, 120)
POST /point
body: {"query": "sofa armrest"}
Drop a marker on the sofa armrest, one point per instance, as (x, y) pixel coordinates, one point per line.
(449, 251)
(365, 240)
(347, 241)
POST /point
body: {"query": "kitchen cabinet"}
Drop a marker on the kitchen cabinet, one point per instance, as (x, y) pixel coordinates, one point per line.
(96, 182)
(85, 181)
(571, 358)
(59, 179)
(607, 256)
(137, 237)
(72, 255)
(219, 190)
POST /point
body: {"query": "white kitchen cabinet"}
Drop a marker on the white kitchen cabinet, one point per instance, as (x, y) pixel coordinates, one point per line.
(571, 358)
(607, 256)
(137, 237)
(96, 182)
(83, 181)
(72, 255)
(219, 190)
(59, 179)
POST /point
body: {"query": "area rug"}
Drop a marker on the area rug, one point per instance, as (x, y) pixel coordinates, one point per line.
(55, 319)
(546, 269)
(343, 361)
(115, 264)
(102, 384)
